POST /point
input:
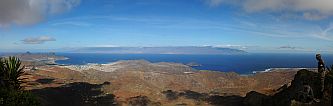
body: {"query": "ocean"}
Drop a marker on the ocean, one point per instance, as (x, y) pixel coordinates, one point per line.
(242, 64)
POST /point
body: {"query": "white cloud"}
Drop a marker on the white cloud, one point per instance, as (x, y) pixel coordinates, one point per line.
(25, 12)
(214, 3)
(325, 33)
(289, 47)
(241, 47)
(308, 9)
(72, 23)
(314, 16)
(104, 46)
(38, 40)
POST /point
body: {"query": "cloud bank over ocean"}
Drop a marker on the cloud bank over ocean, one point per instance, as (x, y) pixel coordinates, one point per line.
(38, 40)
(306, 9)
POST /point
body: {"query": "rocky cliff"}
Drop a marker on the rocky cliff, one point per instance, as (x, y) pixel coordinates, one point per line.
(289, 95)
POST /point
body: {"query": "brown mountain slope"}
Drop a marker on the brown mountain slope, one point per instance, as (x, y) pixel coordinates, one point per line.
(140, 80)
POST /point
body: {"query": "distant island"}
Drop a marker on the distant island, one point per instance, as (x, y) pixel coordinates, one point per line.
(38, 58)
(160, 50)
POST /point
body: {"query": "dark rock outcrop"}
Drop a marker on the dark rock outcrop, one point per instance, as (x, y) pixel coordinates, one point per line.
(288, 96)
(142, 101)
(171, 95)
(225, 100)
(255, 99)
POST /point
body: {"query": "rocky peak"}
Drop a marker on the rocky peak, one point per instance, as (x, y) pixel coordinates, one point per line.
(290, 95)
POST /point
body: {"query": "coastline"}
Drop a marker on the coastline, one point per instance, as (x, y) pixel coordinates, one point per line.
(38, 58)
(242, 64)
(279, 69)
(112, 66)
(131, 78)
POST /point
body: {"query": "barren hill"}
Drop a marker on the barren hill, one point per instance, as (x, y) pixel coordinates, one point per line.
(153, 82)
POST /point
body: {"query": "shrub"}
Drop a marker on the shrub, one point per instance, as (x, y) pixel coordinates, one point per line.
(11, 93)
(10, 72)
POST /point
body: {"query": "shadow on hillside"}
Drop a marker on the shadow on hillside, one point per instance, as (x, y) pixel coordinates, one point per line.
(75, 94)
(211, 99)
(45, 80)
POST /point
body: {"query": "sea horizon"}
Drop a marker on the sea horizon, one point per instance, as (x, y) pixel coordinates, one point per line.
(239, 63)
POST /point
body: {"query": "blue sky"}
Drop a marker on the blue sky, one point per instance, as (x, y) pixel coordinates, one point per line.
(251, 25)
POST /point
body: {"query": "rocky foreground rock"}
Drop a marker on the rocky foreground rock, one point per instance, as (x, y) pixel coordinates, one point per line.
(139, 82)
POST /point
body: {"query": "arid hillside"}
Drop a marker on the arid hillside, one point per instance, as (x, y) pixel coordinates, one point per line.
(142, 82)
